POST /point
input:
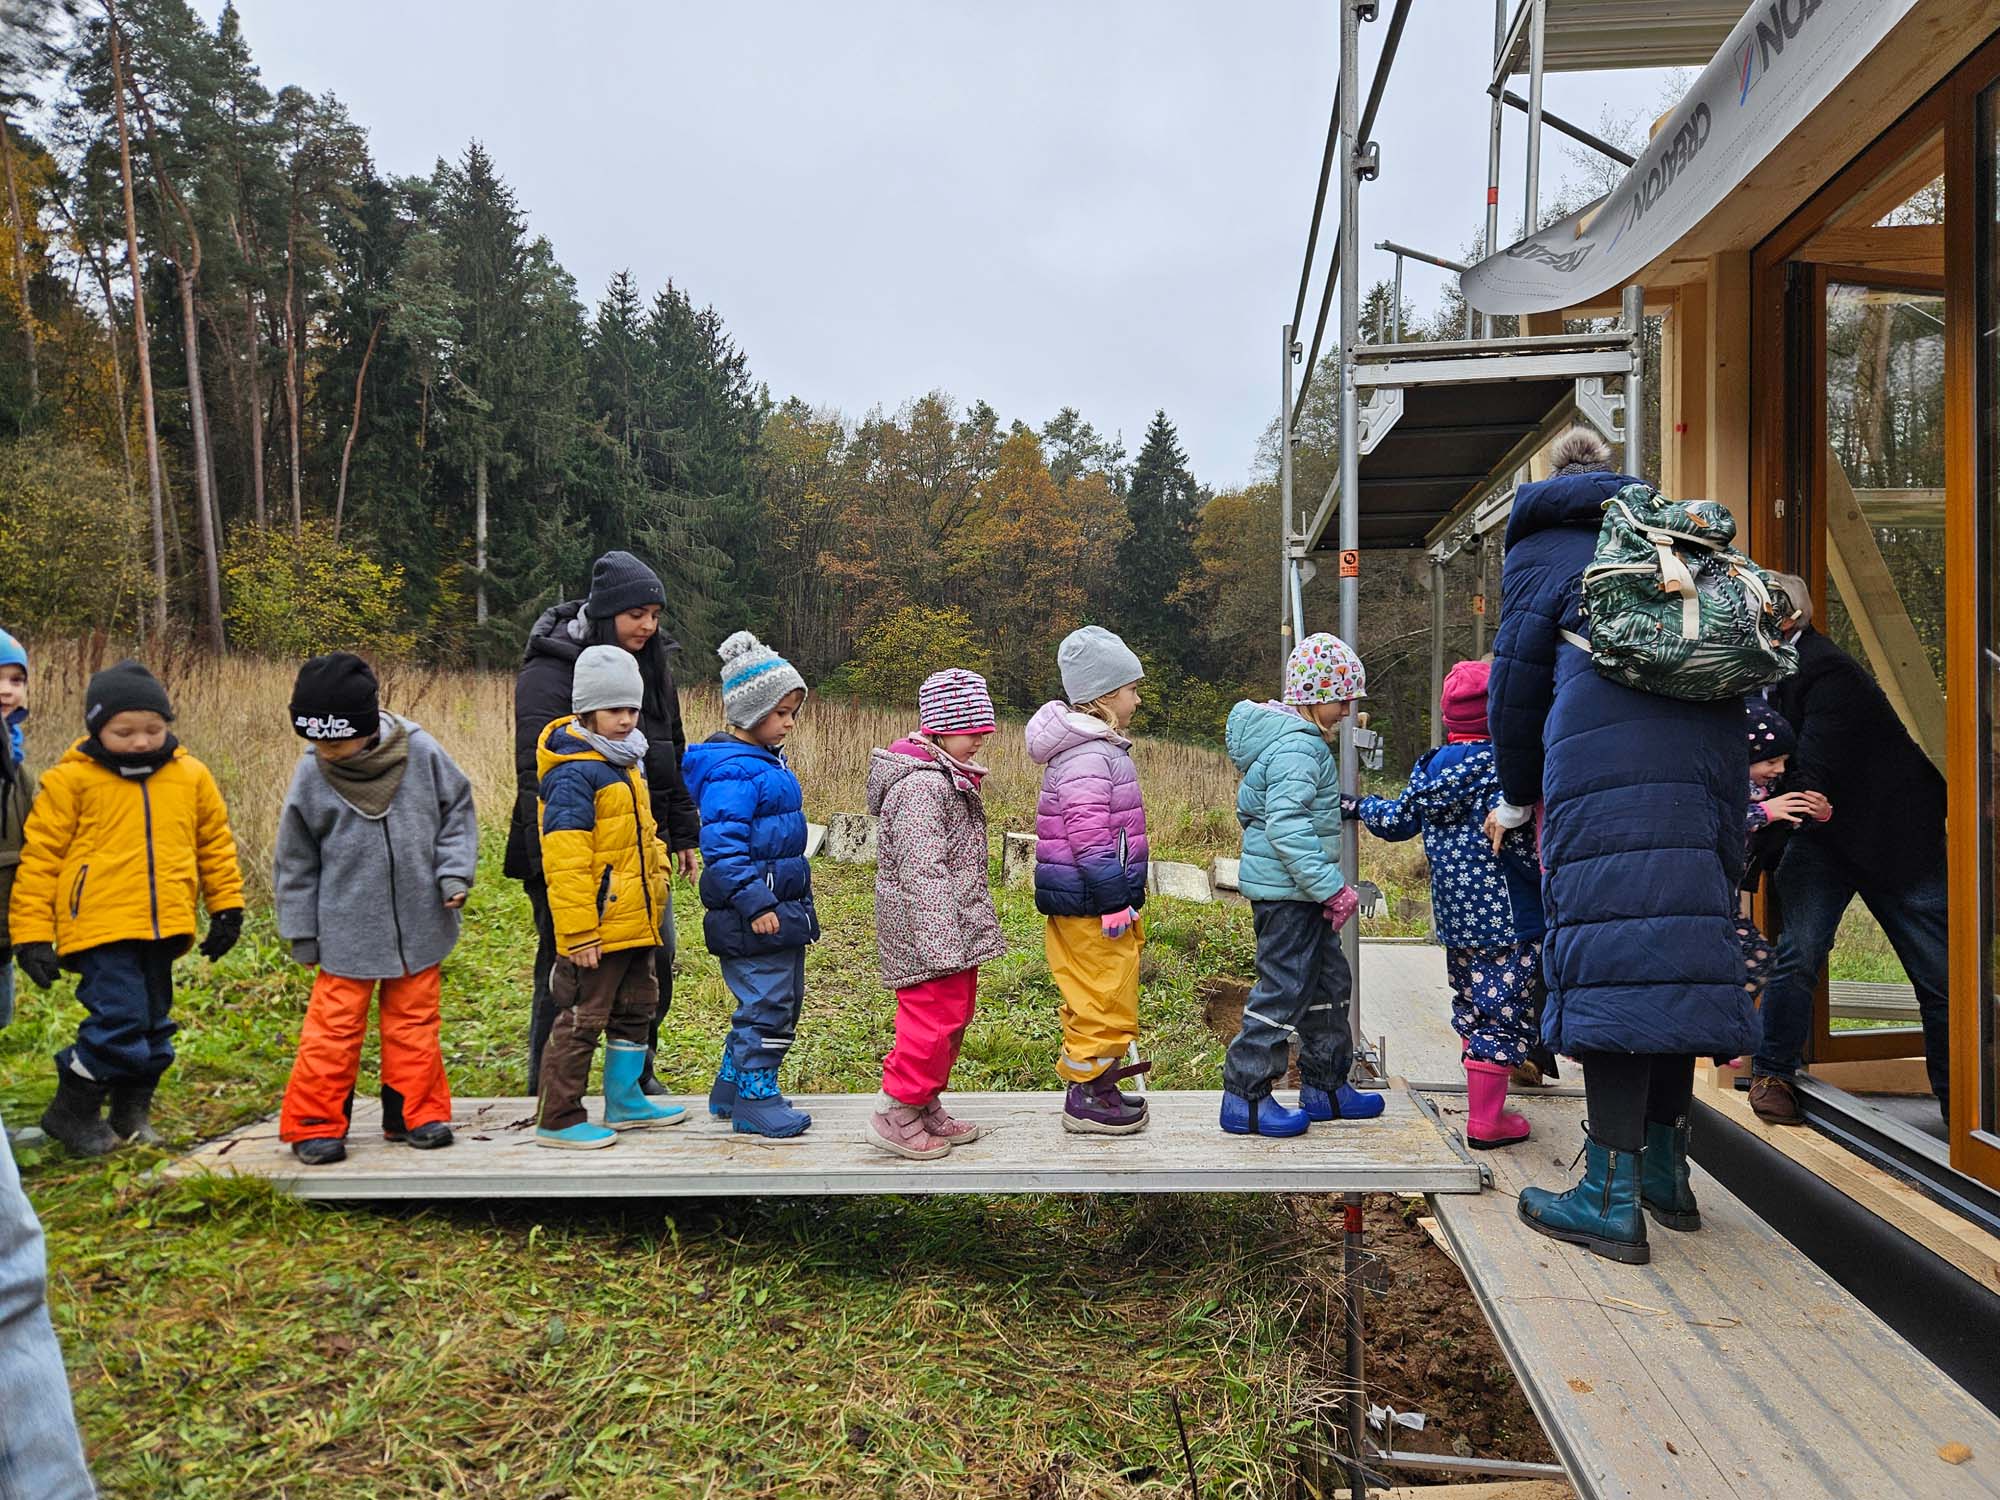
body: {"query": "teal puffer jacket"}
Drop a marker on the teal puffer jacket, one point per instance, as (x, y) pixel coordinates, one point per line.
(1289, 804)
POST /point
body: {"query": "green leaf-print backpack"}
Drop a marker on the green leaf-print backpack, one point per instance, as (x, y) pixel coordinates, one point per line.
(1674, 609)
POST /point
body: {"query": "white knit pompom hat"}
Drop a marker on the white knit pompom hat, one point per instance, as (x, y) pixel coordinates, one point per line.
(755, 679)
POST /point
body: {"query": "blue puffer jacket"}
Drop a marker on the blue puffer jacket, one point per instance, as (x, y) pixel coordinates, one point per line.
(753, 847)
(1289, 804)
(1479, 899)
(1642, 834)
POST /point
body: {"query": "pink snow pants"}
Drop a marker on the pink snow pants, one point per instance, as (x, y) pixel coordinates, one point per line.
(930, 1027)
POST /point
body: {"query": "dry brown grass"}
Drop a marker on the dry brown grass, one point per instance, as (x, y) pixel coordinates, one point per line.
(232, 712)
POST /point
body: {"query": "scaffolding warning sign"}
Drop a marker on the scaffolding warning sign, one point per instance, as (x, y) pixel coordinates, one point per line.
(1350, 563)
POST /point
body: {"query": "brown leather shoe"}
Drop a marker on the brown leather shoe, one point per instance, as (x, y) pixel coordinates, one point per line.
(1773, 1102)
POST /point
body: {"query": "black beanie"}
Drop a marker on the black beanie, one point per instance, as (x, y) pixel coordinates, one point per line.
(335, 698)
(618, 582)
(124, 688)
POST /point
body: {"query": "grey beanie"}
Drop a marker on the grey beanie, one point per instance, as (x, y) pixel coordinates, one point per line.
(1095, 662)
(618, 582)
(606, 677)
(755, 679)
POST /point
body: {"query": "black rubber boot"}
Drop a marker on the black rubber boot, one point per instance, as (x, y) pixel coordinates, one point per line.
(393, 1128)
(132, 1113)
(75, 1115)
(321, 1151)
(431, 1137)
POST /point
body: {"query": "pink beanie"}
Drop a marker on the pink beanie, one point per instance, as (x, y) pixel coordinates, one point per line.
(1465, 698)
(954, 701)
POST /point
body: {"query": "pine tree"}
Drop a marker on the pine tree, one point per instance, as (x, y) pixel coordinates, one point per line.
(1158, 558)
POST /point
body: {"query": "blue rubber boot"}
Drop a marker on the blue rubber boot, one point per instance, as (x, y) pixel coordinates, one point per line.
(1601, 1213)
(762, 1110)
(1345, 1103)
(625, 1107)
(1265, 1116)
(722, 1093)
(582, 1136)
(1664, 1189)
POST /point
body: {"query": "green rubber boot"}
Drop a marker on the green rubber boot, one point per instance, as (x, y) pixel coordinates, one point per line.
(1664, 1189)
(1601, 1213)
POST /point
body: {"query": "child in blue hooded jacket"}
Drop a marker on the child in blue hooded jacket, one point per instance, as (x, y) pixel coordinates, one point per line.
(1487, 907)
(1289, 806)
(756, 886)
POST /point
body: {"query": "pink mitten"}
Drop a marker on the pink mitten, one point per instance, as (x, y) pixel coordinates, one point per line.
(1342, 905)
(1117, 923)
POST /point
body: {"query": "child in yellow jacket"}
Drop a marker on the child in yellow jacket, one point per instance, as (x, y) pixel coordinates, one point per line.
(126, 831)
(607, 875)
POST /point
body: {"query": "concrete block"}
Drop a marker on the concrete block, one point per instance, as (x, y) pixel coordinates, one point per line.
(1165, 877)
(1224, 873)
(1017, 859)
(850, 839)
(815, 839)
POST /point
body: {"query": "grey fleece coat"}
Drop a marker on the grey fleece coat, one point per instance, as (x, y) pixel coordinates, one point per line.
(933, 908)
(371, 891)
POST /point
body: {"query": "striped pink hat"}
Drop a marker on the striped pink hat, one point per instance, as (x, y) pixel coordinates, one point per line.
(954, 701)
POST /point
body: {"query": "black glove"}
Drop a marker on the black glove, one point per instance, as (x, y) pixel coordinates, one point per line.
(1350, 807)
(39, 962)
(224, 928)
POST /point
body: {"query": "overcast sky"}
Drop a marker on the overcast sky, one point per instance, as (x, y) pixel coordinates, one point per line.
(1095, 203)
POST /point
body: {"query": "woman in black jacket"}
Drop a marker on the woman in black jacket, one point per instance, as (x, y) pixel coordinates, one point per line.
(622, 609)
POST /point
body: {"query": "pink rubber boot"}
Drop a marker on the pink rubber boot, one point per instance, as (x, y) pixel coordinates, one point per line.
(1488, 1121)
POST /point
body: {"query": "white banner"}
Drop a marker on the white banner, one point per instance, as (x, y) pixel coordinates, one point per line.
(1778, 65)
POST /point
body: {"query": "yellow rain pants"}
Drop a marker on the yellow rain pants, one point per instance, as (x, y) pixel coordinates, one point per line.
(1099, 981)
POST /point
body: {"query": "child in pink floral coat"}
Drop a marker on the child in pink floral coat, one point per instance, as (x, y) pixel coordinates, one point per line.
(934, 917)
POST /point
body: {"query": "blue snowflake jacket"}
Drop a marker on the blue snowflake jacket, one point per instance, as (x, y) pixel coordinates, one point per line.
(1478, 899)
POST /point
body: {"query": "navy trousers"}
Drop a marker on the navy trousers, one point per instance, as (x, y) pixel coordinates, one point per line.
(128, 988)
(1303, 984)
(768, 989)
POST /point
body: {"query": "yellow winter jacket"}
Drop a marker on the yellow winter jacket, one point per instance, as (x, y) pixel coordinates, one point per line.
(108, 858)
(601, 850)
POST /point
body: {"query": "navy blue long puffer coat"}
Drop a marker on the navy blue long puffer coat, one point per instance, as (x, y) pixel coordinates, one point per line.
(1642, 834)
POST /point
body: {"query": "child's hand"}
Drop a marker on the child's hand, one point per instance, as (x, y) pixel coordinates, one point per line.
(587, 956)
(1350, 807)
(764, 924)
(453, 903)
(1792, 807)
(688, 862)
(39, 962)
(1496, 832)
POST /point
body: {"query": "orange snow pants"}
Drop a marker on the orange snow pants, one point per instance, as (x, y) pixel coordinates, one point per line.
(317, 1098)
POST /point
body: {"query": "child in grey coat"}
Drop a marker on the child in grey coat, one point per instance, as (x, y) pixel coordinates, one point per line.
(376, 851)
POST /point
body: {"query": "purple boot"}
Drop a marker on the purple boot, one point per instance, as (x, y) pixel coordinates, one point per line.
(1097, 1108)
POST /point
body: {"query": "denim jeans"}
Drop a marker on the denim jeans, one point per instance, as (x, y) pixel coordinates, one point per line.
(1303, 985)
(1814, 889)
(40, 1455)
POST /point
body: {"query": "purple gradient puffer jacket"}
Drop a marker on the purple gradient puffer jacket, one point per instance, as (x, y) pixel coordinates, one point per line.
(1090, 821)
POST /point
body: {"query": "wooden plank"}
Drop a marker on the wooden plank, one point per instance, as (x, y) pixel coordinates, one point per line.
(1685, 436)
(1885, 247)
(1896, 1203)
(1026, 1151)
(1730, 1366)
(1875, 606)
(1729, 353)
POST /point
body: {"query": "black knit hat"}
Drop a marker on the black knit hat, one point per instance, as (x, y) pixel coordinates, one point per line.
(126, 687)
(618, 582)
(335, 698)
(1767, 731)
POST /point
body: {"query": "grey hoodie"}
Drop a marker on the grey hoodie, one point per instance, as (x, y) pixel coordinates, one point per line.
(370, 892)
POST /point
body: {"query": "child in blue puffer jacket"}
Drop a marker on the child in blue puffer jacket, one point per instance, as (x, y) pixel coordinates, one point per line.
(1289, 806)
(1487, 907)
(755, 883)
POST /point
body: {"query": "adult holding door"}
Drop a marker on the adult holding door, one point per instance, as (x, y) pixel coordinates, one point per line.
(1644, 799)
(622, 609)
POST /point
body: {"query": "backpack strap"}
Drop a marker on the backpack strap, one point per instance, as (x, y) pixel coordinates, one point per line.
(1677, 578)
(1581, 643)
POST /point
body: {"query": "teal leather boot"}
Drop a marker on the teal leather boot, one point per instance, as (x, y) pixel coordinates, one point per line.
(625, 1107)
(1601, 1213)
(1663, 1186)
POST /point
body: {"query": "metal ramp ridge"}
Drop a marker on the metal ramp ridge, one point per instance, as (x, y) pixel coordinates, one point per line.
(1444, 425)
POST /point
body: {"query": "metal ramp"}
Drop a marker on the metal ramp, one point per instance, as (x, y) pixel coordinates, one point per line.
(1025, 1151)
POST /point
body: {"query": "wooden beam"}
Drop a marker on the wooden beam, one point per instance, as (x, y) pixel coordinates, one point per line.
(1686, 434)
(1918, 169)
(1728, 387)
(1921, 509)
(1895, 247)
(1894, 649)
